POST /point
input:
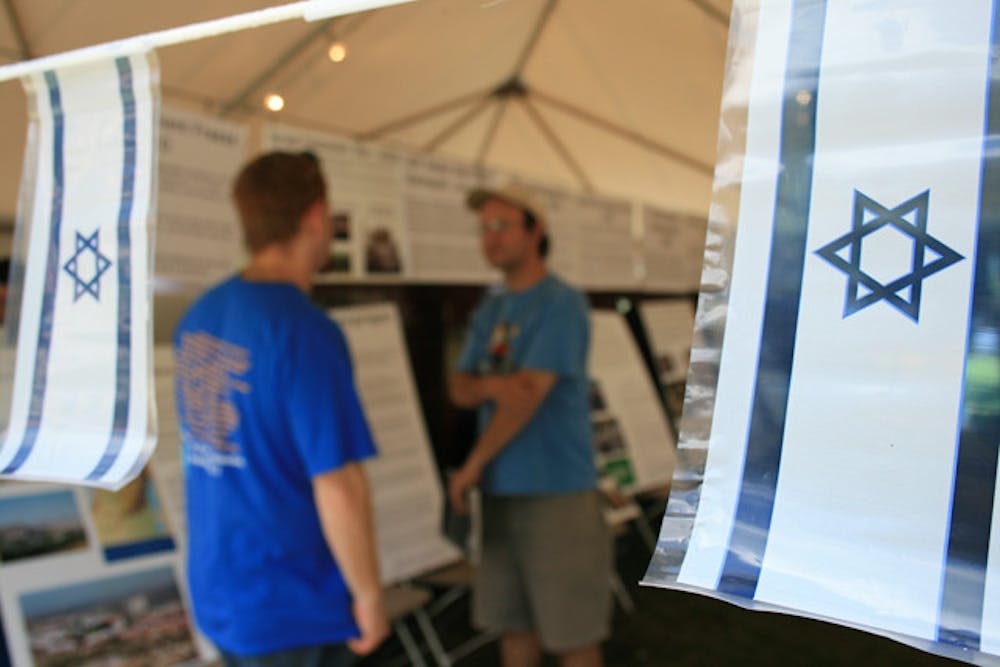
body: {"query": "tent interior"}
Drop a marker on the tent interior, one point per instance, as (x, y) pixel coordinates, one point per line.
(618, 99)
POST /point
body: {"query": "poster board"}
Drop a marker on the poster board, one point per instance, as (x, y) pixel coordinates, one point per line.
(198, 238)
(406, 491)
(365, 195)
(632, 438)
(669, 328)
(672, 248)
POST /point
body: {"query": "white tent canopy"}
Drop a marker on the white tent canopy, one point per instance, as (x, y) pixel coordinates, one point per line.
(619, 98)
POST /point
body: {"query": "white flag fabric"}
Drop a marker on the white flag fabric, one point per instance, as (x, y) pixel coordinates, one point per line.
(80, 376)
(844, 463)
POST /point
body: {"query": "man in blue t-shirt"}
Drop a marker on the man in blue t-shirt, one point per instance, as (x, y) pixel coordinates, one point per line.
(281, 552)
(543, 576)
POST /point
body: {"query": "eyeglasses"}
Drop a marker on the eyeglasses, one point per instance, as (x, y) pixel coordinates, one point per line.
(494, 225)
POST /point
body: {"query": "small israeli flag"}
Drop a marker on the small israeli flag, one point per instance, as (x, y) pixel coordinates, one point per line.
(80, 408)
(851, 462)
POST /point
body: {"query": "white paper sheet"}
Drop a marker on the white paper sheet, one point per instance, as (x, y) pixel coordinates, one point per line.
(672, 248)
(198, 238)
(407, 492)
(631, 402)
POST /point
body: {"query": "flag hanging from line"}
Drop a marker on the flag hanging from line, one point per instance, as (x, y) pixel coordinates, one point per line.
(78, 381)
(845, 464)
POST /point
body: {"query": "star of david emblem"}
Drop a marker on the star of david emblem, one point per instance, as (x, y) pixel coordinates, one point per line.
(928, 256)
(86, 266)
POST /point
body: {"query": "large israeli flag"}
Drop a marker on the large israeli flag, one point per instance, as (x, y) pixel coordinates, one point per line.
(79, 379)
(851, 464)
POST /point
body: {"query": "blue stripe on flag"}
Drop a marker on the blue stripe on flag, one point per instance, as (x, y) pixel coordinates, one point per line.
(741, 570)
(975, 477)
(51, 274)
(123, 371)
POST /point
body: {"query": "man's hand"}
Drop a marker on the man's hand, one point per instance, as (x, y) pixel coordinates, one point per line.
(460, 483)
(369, 614)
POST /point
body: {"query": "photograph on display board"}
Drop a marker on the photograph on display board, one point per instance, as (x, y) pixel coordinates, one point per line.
(131, 619)
(382, 252)
(340, 247)
(131, 521)
(672, 368)
(40, 524)
(614, 468)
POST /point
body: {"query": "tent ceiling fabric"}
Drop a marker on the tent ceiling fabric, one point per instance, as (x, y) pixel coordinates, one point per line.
(621, 98)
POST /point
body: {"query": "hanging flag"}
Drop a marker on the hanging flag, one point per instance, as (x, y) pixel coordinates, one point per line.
(844, 464)
(79, 378)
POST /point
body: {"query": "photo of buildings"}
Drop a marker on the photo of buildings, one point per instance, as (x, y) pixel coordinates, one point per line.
(130, 620)
(39, 524)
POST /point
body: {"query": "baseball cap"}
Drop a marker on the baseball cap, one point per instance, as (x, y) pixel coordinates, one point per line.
(512, 193)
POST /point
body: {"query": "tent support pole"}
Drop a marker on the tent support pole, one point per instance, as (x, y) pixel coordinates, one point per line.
(635, 137)
(712, 11)
(23, 50)
(279, 64)
(536, 33)
(558, 145)
(310, 10)
(419, 116)
(484, 147)
(455, 126)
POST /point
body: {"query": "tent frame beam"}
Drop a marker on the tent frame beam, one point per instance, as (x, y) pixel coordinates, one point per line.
(630, 135)
(557, 144)
(422, 115)
(310, 10)
(491, 133)
(276, 66)
(536, 34)
(455, 126)
(712, 11)
(23, 48)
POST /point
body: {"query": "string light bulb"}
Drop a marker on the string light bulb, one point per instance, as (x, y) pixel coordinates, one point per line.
(337, 52)
(274, 102)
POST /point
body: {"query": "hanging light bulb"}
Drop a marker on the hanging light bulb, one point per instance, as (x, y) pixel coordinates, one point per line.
(274, 102)
(337, 52)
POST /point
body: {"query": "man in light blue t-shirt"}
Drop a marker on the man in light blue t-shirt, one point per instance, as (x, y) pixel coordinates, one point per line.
(543, 576)
(281, 550)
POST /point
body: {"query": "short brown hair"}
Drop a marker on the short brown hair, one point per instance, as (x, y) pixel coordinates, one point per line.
(273, 192)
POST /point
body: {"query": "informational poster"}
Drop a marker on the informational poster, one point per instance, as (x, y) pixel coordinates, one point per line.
(364, 184)
(606, 251)
(673, 245)
(407, 492)
(632, 438)
(853, 416)
(592, 245)
(400, 216)
(669, 327)
(444, 233)
(198, 237)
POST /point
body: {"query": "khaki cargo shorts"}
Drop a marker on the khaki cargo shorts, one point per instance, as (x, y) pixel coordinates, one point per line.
(545, 566)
